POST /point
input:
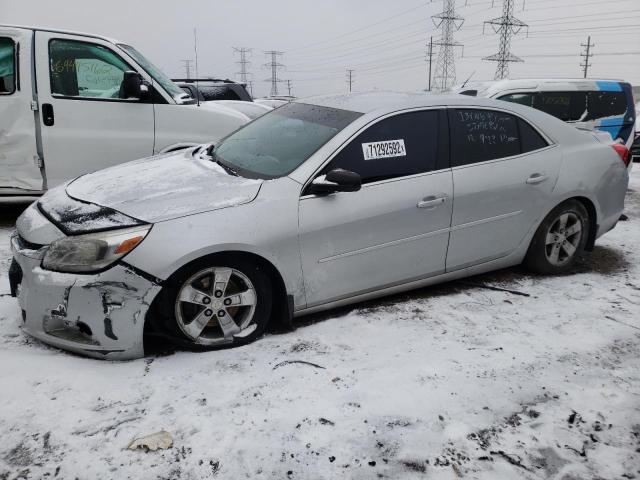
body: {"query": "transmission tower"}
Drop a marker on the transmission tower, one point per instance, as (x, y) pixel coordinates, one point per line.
(243, 62)
(350, 78)
(448, 22)
(187, 67)
(506, 26)
(274, 65)
(586, 55)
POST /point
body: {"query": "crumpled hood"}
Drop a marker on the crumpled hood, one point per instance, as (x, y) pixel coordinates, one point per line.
(164, 187)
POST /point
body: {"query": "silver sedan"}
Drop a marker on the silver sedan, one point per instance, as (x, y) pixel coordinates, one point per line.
(321, 203)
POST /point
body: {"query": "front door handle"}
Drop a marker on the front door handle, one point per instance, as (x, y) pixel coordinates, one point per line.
(431, 202)
(47, 114)
(536, 178)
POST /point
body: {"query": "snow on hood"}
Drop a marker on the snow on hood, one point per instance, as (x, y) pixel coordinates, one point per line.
(164, 187)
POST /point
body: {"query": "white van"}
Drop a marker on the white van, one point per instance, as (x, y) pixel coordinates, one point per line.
(72, 103)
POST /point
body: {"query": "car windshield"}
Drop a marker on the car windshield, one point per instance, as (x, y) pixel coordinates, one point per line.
(279, 142)
(154, 72)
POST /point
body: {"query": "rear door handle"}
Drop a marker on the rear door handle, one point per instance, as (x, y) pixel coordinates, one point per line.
(431, 202)
(536, 178)
(47, 114)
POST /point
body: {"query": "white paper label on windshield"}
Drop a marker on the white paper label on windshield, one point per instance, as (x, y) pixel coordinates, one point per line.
(386, 149)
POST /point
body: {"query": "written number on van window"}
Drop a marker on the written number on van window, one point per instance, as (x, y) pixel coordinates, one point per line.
(386, 149)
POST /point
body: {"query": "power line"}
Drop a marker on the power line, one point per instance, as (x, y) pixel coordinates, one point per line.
(448, 22)
(243, 62)
(586, 55)
(274, 65)
(506, 26)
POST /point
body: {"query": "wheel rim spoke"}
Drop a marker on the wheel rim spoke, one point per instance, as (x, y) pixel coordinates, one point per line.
(242, 299)
(228, 325)
(573, 229)
(555, 254)
(221, 279)
(190, 294)
(568, 248)
(563, 220)
(551, 238)
(196, 326)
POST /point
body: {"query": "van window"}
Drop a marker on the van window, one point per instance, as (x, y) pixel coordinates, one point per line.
(87, 70)
(7, 66)
(398, 146)
(567, 106)
(605, 104)
(520, 98)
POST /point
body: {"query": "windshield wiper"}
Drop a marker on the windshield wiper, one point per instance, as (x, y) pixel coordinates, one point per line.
(215, 159)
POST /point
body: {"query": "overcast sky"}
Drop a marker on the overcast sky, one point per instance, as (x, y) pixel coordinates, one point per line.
(383, 41)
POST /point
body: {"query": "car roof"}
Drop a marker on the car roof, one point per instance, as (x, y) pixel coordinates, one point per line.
(382, 102)
(66, 32)
(491, 88)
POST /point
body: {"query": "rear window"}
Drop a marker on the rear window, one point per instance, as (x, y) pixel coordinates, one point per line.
(221, 92)
(7, 66)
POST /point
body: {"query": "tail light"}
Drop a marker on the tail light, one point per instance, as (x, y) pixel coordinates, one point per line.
(623, 152)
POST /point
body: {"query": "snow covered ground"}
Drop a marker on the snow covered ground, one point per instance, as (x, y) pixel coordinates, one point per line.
(454, 381)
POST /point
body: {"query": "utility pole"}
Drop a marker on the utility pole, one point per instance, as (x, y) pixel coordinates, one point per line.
(586, 55)
(430, 55)
(274, 65)
(506, 26)
(350, 78)
(243, 62)
(448, 22)
(289, 86)
(187, 67)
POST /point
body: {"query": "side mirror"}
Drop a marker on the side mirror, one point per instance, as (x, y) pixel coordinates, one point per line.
(337, 180)
(132, 86)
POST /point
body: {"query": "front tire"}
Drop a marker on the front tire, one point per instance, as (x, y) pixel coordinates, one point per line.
(215, 303)
(560, 239)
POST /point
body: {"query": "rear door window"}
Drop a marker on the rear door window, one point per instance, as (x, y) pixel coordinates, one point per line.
(7, 66)
(398, 146)
(481, 135)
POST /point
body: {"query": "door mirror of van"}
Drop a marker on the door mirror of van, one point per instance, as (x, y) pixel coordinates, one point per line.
(337, 180)
(132, 85)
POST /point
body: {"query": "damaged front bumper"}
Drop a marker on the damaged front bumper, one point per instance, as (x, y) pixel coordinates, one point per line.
(100, 315)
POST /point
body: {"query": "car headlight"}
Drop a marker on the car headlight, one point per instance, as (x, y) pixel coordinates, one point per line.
(92, 252)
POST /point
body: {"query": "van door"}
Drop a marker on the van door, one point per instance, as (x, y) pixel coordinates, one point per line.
(19, 169)
(86, 123)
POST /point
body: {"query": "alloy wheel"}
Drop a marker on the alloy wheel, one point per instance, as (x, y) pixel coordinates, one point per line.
(563, 238)
(216, 305)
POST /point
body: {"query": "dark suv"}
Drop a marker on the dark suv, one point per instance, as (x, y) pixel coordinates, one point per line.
(208, 89)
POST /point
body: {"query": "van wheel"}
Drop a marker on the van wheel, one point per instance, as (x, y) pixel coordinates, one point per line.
(560, 239)
(219, 302)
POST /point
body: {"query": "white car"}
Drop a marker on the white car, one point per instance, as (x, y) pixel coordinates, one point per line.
(317, 204)
(94, 102)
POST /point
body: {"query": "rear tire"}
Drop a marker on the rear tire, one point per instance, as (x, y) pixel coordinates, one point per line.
(217, 302)
(560, 239)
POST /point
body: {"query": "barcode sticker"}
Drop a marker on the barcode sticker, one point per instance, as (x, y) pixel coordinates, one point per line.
(386, 149)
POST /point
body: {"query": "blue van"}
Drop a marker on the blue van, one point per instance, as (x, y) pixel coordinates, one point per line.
(605, 105)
